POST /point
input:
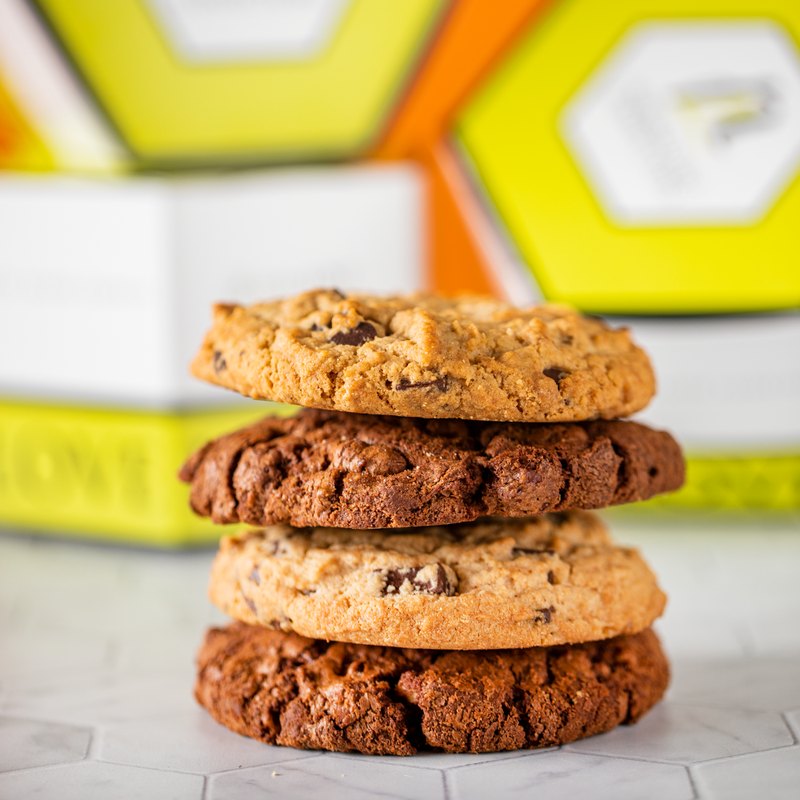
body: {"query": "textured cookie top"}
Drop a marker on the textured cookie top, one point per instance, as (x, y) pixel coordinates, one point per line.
(496, 583)
(362, 471)
(464, 358)
(284, 689)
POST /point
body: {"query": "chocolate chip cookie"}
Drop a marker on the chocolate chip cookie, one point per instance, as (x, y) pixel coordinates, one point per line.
(495, 583)
(465, 358)
(283, 689)
(362, 471)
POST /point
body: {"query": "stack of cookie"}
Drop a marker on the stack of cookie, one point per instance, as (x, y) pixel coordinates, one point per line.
(426, 574)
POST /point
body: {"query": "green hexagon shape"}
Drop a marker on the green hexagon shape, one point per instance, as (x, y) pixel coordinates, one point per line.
(184, 89)
(580, 197)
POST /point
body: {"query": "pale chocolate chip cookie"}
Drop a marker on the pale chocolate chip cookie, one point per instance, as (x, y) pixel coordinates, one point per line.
(495, 583)
(423, 356)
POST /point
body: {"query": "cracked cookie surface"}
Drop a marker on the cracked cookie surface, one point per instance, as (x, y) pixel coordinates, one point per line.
(361, 471)
(283, 689)
(495, 583)
(424, 356)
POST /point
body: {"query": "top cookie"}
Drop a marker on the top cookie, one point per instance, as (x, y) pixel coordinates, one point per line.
(422, 356)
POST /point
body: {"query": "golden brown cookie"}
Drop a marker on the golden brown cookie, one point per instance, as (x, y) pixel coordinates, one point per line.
(495, 583)
(283, 689)
(466, 358)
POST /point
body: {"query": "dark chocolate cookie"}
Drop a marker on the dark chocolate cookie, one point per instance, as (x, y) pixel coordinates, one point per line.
(283, 689)
(362, 471)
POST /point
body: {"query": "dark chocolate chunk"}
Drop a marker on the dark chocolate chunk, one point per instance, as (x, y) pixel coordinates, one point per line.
(439, 383)
(316, 327)
(547, 613)
(219, 362)
(550, 577)
(524, 551)
(440, 584)
(555, 374)
(250, 604)
(382, 460)
(254, 576)
(363, 332)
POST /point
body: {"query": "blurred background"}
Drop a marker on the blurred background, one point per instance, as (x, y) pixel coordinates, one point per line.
(636, 159)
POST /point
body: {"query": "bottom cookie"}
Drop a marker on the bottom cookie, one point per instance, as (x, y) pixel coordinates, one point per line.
(284, 689)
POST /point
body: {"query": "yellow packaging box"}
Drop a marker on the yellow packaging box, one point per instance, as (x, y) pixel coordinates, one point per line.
(108, 474)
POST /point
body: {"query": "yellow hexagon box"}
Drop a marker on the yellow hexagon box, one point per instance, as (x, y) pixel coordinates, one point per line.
(643, 154)
(226, 81)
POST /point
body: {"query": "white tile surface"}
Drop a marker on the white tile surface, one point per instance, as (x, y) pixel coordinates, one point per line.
(793, 720)
(571, 776)
(188, 742)
(97, 646)
(98, 698)
(92, 781)
(429, 760)
(328, 776)
(758, 684)
(24, 743)
(688, 734)
(773, 776)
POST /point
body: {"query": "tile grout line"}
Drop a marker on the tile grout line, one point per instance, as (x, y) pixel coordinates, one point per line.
(790, 726)
(446, 783)
(311, 754)
(169, 771)
(738, 756)
(93, 750)
(693, 782)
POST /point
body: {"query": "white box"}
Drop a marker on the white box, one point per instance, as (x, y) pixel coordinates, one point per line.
(726, 384)
(106, 284)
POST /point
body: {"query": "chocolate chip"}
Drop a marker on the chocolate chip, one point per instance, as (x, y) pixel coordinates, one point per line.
(556, 375)
(255, 577)
(363, 332)
(250, 604)
(316, 327)
(550, 577)
(432, 580)
(547, 613)
(525, 551)
(439, 383)
(219, 362)
(381, 460)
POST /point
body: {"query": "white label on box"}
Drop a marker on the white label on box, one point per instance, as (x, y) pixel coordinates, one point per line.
(275, 234)
(690, 123)
(725, 383)
(242, 30)
(106, 286)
